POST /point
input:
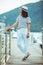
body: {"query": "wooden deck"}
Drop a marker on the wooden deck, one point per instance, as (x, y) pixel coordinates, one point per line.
(32, 60)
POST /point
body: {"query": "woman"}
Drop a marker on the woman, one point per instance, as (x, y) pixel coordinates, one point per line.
(23, 21)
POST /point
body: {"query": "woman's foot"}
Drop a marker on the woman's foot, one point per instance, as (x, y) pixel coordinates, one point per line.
(25, 58)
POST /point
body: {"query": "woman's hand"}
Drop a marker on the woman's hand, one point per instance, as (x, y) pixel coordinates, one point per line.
(9, 29)
(28, 35)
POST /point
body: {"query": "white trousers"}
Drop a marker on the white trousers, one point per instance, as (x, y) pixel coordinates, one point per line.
(22, 41)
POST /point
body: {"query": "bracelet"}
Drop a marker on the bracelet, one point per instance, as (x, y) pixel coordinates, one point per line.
(28, 32)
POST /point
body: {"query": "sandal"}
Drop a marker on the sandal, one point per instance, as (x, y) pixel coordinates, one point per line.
(25, 58)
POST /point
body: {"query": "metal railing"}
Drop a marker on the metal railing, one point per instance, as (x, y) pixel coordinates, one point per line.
(7, 50)
(6, 41)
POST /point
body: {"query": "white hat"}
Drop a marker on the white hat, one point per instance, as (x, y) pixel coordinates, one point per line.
(24, 8)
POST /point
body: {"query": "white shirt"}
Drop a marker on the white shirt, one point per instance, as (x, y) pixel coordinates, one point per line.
(23, 21)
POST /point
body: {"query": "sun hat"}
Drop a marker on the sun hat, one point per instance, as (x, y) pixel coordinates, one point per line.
(24, 8)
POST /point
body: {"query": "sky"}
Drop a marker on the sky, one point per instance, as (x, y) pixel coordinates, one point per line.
(7, 5)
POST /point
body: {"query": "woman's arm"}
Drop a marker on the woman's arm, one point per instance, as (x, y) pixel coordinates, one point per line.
(12, 26)
(28, 28)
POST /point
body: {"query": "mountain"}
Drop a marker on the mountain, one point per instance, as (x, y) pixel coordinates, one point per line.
(35, 12)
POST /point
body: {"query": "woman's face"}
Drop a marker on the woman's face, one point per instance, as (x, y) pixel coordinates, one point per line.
(24, 13)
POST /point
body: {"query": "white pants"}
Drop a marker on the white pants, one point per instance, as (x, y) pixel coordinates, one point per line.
(22, 41)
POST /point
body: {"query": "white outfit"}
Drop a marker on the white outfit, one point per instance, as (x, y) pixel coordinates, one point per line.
(22, 41)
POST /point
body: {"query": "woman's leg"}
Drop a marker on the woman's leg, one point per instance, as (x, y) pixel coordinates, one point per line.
(26, 45)
(26, 51)
(20, 41)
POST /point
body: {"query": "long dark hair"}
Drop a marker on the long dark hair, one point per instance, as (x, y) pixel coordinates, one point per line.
(24, 14)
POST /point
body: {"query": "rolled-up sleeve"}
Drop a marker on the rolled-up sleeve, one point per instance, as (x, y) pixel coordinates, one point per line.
(29, 20)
